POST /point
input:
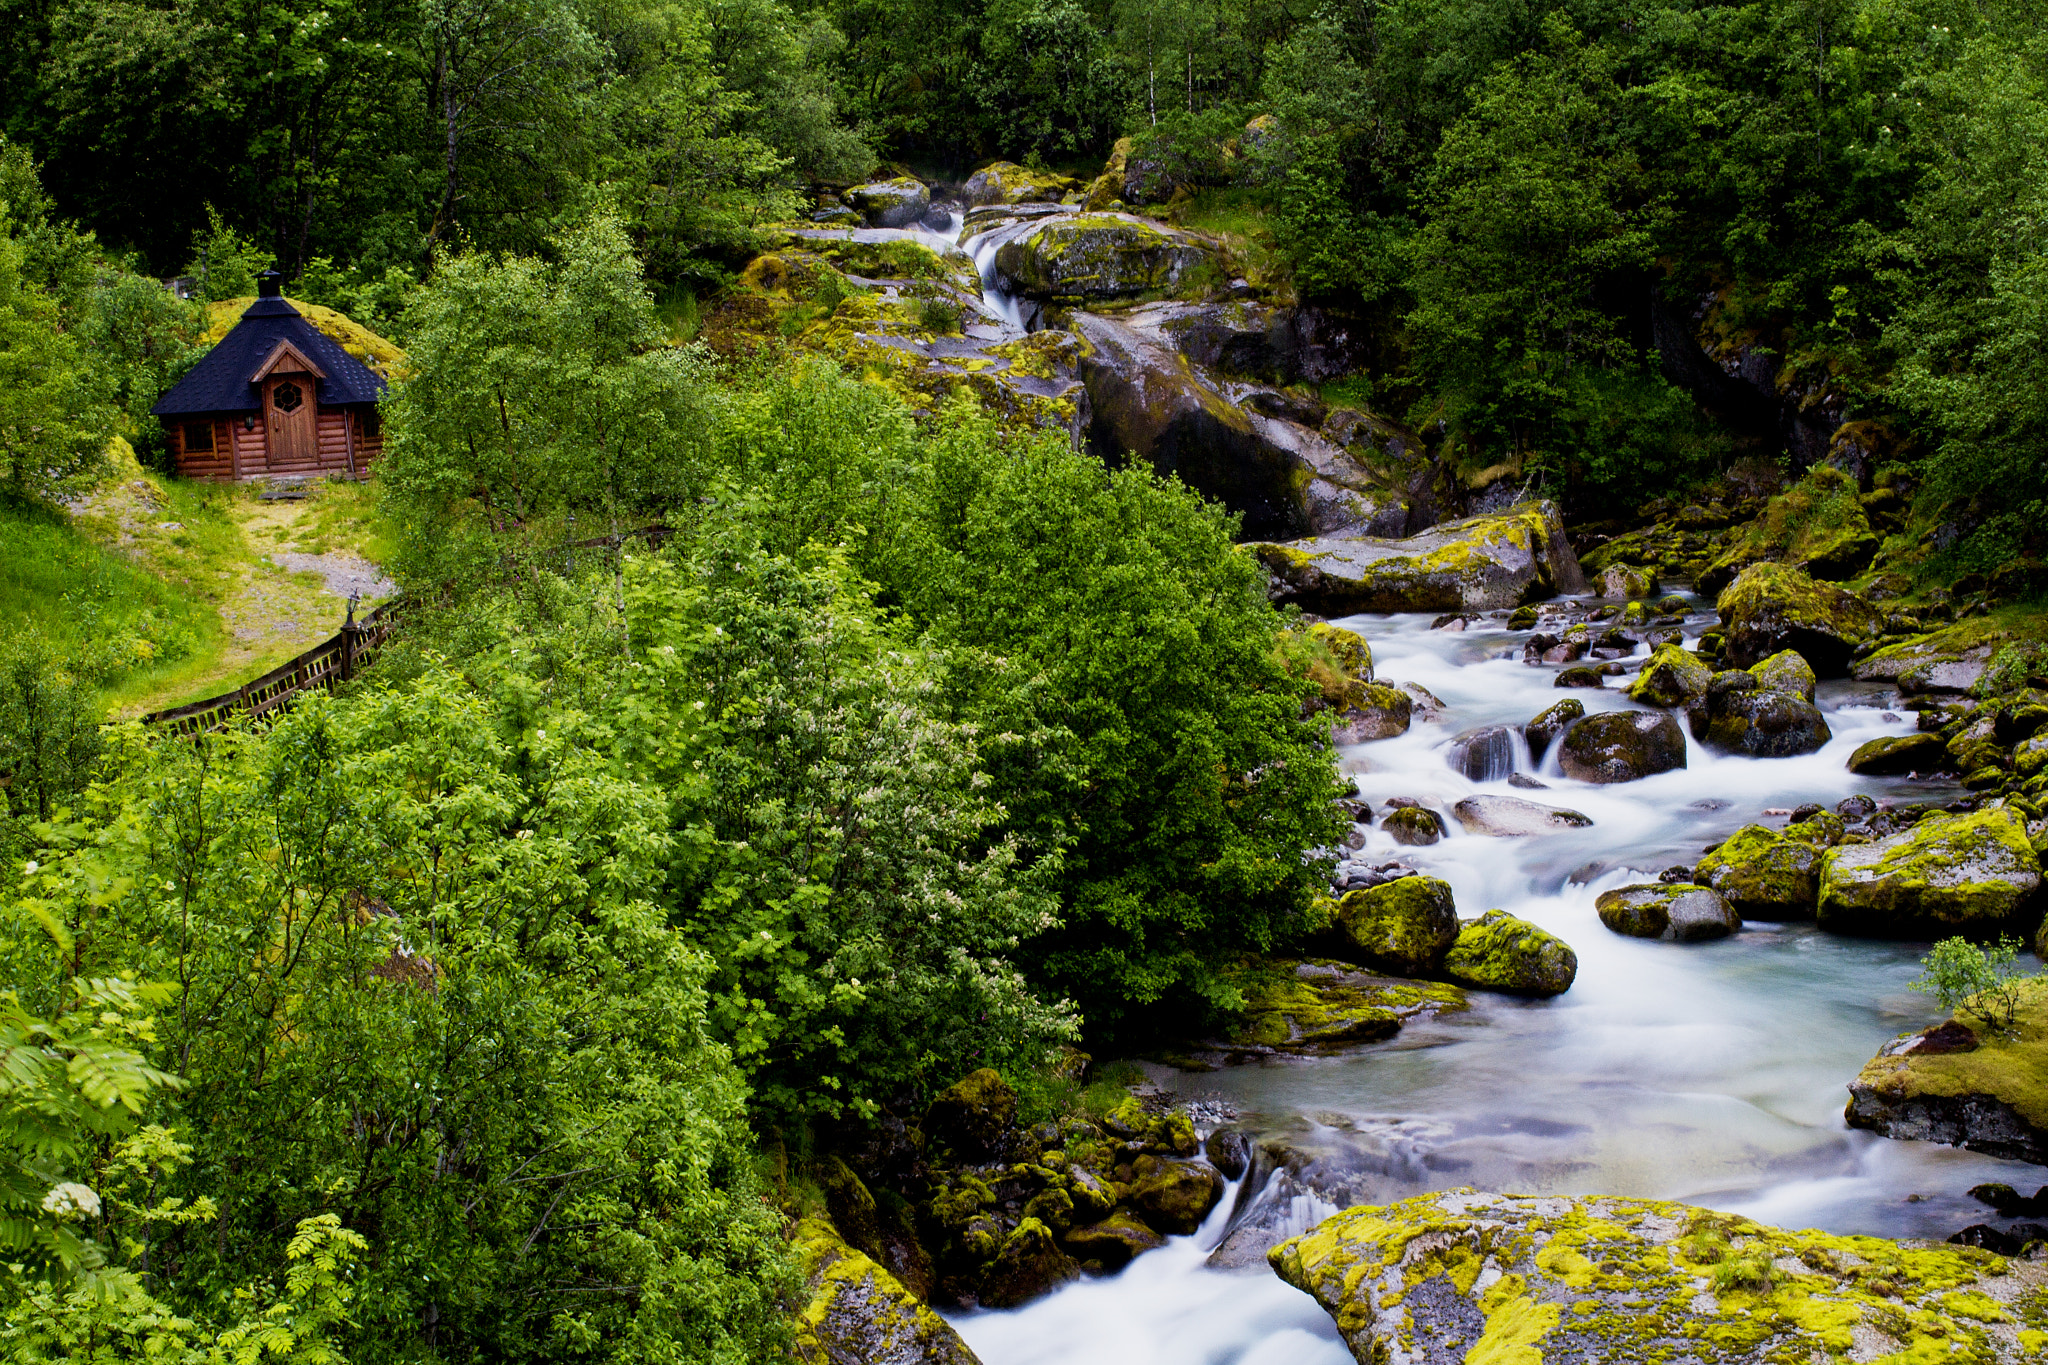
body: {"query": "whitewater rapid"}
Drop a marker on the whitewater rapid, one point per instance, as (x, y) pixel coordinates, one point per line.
(1711, 1073)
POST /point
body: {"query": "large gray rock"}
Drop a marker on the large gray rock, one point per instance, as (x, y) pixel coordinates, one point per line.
(1741, 717)
(1946, 874)
(1517, 1279)
(1148, 400)
(1509, 816)
(1485, 754)
(897, 203)
(1006, 182)
(1479, 564)
(1683, 914)
(1098, 256)
(859, 1312)
(1622, 746)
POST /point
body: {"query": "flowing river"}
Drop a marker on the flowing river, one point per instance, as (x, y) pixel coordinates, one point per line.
(1711, 1073)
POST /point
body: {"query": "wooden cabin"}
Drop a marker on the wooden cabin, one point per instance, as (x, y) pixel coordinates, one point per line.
(276, 397)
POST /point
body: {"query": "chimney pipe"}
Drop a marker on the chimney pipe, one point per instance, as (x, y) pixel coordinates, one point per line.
(270, 285)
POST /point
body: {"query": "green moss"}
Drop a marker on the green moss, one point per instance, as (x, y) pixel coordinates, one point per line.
(1673, 676)
(1319, 1005)
(1763, 874)
(2011, 1067)
(1948, 872)
(1644, 1281)
(1499, 952)
(1404, 926)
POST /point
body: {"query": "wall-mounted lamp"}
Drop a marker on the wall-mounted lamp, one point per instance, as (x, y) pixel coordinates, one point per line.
(248, 424)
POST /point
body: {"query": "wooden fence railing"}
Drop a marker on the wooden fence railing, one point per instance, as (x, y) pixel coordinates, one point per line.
(334, 660)
(342, 655)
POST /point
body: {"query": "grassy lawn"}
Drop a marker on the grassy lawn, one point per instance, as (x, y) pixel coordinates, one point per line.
(171, 590)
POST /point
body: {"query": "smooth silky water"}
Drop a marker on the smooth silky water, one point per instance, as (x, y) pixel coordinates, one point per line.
(1712, 1073)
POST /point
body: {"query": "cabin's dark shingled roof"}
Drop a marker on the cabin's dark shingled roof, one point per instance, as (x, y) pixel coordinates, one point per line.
(220, 381)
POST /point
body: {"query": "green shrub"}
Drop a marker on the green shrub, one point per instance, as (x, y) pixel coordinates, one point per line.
(1983, 980)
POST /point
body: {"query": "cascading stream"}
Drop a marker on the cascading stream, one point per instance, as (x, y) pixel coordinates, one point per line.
(1711, 1073)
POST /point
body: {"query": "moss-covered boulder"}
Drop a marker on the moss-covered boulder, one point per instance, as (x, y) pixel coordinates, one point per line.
(1319, 1006)
(1381, 712)
(1949, 661)
(1682, 914)
(855, 1311)
(1786, 671)
(1098, 256)
(1498, 952)
(1772, 607)
(1619, 580)
(1510, 816)
(1174, 1197)
(1111, 1243)
(1415, 826)
(1948, 873)
(1544, 728)
(1479, 564)
(972, 1117)
(1758, 723)
(1764, 874)
(1029, 1264)
(894, 203)
(1622, 746)
(1674, 676)
(1006, 182)
(1404, 926)
(1897, 755)
(1491, 1279)
(1965, 1084)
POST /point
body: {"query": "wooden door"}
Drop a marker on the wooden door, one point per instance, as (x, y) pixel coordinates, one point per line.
(290, 403)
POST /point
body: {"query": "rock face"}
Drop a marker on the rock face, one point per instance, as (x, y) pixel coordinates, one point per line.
(1928, 664)
(897, 203)
(1683, 914)
(1147, 400)
(1763, 874)
(1323, 1005)
(1498, 952)
(1504, 816)
(1674, 676)
(1622, 746)
(1897, 755)
(1404, 926)
(1495, 1279)
(1479, 564)
(1987, 1097)
(1097, 256)
(1946, 873)
(858, 1312)
(1772, 607)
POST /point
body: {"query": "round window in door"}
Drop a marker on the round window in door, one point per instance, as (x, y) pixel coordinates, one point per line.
(287, 396)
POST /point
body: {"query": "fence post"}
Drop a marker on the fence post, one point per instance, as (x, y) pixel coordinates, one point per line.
(349, 630)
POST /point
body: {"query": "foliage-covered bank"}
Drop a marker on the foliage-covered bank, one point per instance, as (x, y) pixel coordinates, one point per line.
(913, 748)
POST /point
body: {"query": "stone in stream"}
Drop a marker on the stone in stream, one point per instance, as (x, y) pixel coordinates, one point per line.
(1413, 825)
(1741, 716)
(1404, 927)
(1786, 671)
(1485, 754)
(1005, 182)
(1579, 676)
(1622, 746)
(1482, 563)
(1771, 607)
(1098, 256)
(1549, 723)
(1030, 1263)
(1498, 952)
(1763, 874)
(1503, 1279)
(1966, 1085)
(1683, 914)
(1897, 755)
(1940, 663)
(858, 1311)
(1622, 581)
(1111, 1243)
(1946, 874)
(1674, 676)
(1174, 1197)
(1381, 712)
(1509, 816)
(894, 203)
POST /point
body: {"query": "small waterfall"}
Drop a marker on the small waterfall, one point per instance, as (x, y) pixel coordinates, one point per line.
(1003, 306)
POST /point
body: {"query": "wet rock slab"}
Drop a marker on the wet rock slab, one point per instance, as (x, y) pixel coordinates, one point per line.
(1482, 563)
(1465, 1277)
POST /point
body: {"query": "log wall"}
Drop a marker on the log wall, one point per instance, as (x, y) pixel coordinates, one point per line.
(240, 454)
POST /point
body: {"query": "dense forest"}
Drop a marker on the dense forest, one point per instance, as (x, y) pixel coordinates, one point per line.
(498, 1007)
